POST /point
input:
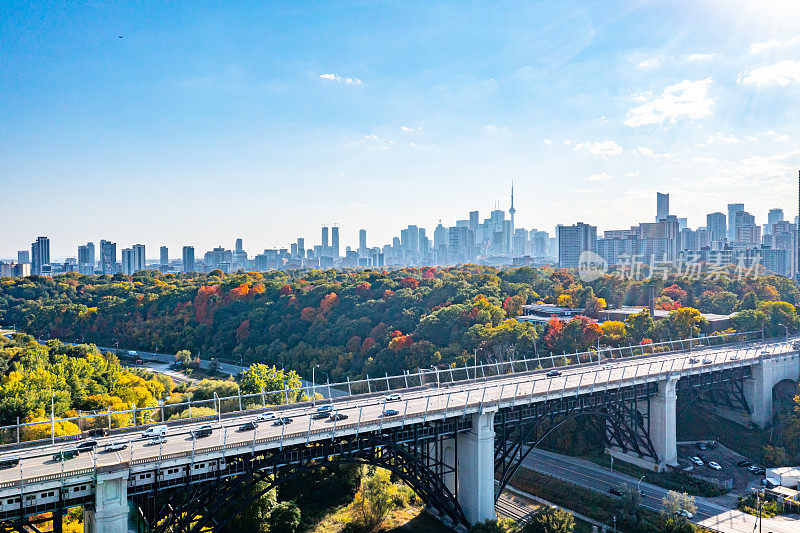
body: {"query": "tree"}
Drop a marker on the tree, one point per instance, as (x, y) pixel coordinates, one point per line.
(685, 322)
(497, 525)
(674, 506)
(550, 520)
(614, 332)
(749, 320)
(285, 517)
(640, 325)
(263, 378)
(373, 501)
(184, 357)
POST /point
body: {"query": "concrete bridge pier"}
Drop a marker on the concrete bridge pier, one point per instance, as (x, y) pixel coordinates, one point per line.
(476, 469)
(767, 373)
(110, 513)
(663, 423)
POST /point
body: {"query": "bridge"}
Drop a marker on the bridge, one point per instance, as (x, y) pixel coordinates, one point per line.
(456, 436)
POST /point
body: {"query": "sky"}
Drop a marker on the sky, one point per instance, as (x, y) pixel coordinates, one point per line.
(175, 123)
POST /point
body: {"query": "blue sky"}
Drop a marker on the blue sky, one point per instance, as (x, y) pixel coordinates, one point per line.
(264, 120)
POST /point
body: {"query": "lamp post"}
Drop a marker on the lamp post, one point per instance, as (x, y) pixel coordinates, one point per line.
(787, 331)
(52, 417)
(313, 386)
(638, 485)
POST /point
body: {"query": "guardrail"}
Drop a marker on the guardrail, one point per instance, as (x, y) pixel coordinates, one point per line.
(590, 387)
(423, 377)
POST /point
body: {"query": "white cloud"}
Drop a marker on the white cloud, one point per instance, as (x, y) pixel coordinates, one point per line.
(372, 143)
(723, 138)
(494, 130)
(757, 48)
(700, 57)
(778, 137)
(409, 129)
(604, 148)
(634, 174)
(599, 177)
(649, 152)
(568, 142)
(547, 141)
(781, 74)
(649, 63)
(340, 79)
(355, 205)
(687, 99)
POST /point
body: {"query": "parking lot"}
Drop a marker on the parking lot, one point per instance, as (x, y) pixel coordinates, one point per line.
(728, 461)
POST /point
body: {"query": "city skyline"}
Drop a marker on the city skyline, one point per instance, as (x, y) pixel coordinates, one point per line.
(277, 119)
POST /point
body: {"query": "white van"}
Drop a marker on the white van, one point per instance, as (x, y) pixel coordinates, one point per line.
(155, 431)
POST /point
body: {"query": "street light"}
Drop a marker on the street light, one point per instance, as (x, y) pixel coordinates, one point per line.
(787, 331)
(638, 485)
(313, 386)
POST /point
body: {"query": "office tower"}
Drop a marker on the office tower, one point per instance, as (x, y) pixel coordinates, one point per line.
(23, 257)
(474, 221)
(86, 258)
(301, 247)
(324, 238)
(139, 261)
(683, 223)
(127, 261)
(773, 217)
(164, 256)
(362, 242)
(662, 206)
(188, 258)
(108, 257)
(293, 247)
(732, 210)
(716, 224)
(40, 256)
(239, 246)
(574, 240)
(335, 242)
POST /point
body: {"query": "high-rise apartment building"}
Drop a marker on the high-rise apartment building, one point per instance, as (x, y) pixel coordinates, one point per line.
(127, 261)
(335, 242)
(573, 241)
(163, 254)
(40, 256)
(188, 258)
(716, 224)
(24, 257)
(732, 210)
(773, 217)
(362, 242)
(239, 246)
(662, 206)
(86, 258)
(108, 257)
(139, 261)
(325, 244)
(474, 220)
(301, 247)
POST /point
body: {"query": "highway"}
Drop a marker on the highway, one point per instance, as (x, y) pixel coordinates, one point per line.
(365, 412)
(600, 479)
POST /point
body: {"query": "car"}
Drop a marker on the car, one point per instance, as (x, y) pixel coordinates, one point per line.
(282, 421)
(733, 357)
(684, 513)
(66, 455)
(693, 360)
(752, 468)
(116, 446)
(320, 416)
(97, 432)
(696, 460)
(86, 445)
(707, 361)
(159, 430)
(714, 465)
(390, 412)
(615, 491)
(553, 373)
(744, 462)
(158, 439)
(202, 431)
(607, 366)
(9, 462)
(338, 416)
(764, 352)
(325, 408)
(394, 397)
(266, 416)
(758, 471)
(701, 446)
(248, 426)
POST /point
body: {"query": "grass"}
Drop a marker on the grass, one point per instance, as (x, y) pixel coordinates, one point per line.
(411, 519)
(676, 481)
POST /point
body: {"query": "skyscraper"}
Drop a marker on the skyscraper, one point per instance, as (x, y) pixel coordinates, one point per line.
(335, 242)
(139, 261)
(108, 257)
(662, 206)
(239, 246)
(301, 247)
(773, 217)
(325, 245)
(362, 242)
(732, 210)
(164, 256)
(716, 224)
(474, 221)
(188, 258)
(574, 240)
(127, 261)
(23, 257)
(86, 258)
(40, 255)
(510, 230)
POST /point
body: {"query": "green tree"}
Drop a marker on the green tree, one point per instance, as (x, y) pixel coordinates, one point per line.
(183, 357)
(550, 520)
(374, 499)
(269, 379)
(285, 517)
(496, 525)
(685, 322)
(640, 326)
(749, 320)
(675, 508)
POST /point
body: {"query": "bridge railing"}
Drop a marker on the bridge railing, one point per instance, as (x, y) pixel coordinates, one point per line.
(127, 420)
(500, 394)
